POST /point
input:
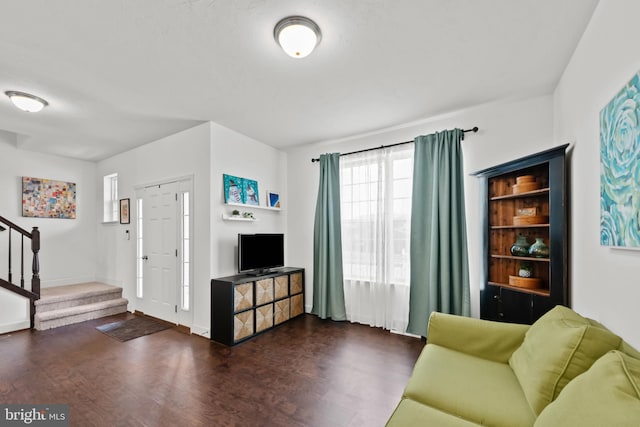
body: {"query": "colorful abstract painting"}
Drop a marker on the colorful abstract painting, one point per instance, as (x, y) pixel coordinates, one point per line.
(46, 198)
(620, 168)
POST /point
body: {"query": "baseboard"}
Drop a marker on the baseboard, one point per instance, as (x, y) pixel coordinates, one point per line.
(14, 326)
(200, 330)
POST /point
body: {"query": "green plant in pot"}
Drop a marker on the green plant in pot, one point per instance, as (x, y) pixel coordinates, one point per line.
(235, 212)
(525, 269)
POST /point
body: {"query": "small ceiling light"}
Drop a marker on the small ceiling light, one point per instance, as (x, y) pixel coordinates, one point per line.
(26, 101)
(297, 36)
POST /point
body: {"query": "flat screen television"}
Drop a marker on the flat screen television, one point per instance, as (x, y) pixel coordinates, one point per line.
(257, 253)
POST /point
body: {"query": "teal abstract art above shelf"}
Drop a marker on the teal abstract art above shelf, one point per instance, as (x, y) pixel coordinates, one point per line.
(620, 168)
(240, 190)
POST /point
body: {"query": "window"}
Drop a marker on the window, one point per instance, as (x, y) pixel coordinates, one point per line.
(375, 208)
(185, 239)
(110, 198)
(139, 249)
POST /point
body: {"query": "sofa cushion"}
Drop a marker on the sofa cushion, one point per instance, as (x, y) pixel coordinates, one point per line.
(412, 413)
(478, 390)
(608, 394)
(558, 347)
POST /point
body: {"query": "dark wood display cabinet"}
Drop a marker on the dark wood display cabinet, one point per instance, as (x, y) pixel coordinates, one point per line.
(245, 305)
(527, 199)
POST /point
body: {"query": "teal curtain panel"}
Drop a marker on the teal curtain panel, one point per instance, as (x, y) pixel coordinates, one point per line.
(328, 288)
(438, 249)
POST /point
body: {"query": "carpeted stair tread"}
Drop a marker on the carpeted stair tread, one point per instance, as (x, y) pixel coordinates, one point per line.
(65, 305)
(80, 309)
(72, 292)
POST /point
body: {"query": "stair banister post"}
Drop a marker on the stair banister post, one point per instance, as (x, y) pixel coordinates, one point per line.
(35, 248)
(35, 268)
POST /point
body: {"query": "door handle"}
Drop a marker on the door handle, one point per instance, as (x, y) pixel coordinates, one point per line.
(144, 257)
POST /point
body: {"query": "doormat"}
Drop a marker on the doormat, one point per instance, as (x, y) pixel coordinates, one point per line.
(136, 327)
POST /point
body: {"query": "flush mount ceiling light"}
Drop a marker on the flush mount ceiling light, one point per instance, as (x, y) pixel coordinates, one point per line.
(26, 101)
(297, 36)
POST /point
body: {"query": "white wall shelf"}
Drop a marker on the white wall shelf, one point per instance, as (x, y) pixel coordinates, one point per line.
(237, 218)
(267, 208)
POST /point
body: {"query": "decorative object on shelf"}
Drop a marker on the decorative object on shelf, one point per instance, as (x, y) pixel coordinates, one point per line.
(124, 211)
(530, 219)
(248, 215)
(525, 282)
(46, 198)
(240, 190)
(539, 249)
(273, 199)
(533, 211)
(620, 168)
(525, 183)
(235, 212)
(520, 247)
(525, 269)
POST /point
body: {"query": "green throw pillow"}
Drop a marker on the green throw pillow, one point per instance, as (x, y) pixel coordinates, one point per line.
(557, 348)
(608, 394)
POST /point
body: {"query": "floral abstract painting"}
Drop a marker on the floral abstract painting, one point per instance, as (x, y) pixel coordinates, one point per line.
(620, 168)
(46, 198)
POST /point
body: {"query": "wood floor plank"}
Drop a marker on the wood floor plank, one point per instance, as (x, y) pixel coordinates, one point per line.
(306, 372)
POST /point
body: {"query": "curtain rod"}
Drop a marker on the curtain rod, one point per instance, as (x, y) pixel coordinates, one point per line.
(473, 129)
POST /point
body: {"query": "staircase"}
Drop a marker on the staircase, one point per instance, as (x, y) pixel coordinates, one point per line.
(65, 305)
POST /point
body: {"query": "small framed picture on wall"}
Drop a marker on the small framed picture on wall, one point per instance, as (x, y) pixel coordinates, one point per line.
(124, 211)
(273, 199)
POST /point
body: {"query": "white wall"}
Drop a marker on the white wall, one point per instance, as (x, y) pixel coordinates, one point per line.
(68, 246)
(206, 152)
(183, 154)
(238, 155)
(508, 130)
(604, 280)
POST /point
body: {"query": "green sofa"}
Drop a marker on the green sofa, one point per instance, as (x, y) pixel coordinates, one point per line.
(564, 370)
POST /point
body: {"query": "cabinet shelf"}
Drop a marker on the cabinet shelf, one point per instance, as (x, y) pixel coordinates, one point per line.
(540, 192)
(542, 292)
(520, 258)
(507, 227)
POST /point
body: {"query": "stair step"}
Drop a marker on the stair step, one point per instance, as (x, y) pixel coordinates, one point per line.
(61, 297)
(76, 314)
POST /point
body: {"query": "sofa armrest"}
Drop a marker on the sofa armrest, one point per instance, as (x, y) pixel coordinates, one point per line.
(489, 340)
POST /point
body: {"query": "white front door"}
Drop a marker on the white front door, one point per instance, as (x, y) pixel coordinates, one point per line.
(160, 285)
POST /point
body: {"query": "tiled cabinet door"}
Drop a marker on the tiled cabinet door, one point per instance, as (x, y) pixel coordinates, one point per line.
(242, 325)
(242, 296)
(264, 291)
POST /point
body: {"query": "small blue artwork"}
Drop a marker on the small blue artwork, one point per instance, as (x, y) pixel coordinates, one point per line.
(273, 199)
(620, 168)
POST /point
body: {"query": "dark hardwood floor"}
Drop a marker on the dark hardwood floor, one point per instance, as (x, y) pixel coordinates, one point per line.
(307, 372)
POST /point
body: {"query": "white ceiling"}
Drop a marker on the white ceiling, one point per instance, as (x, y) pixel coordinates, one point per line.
(121, 73)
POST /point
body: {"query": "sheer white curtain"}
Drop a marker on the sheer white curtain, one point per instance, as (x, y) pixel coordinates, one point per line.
(375, 207)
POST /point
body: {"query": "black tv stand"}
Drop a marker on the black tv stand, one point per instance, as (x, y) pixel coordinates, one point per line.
(261, 272)
(247, 304)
